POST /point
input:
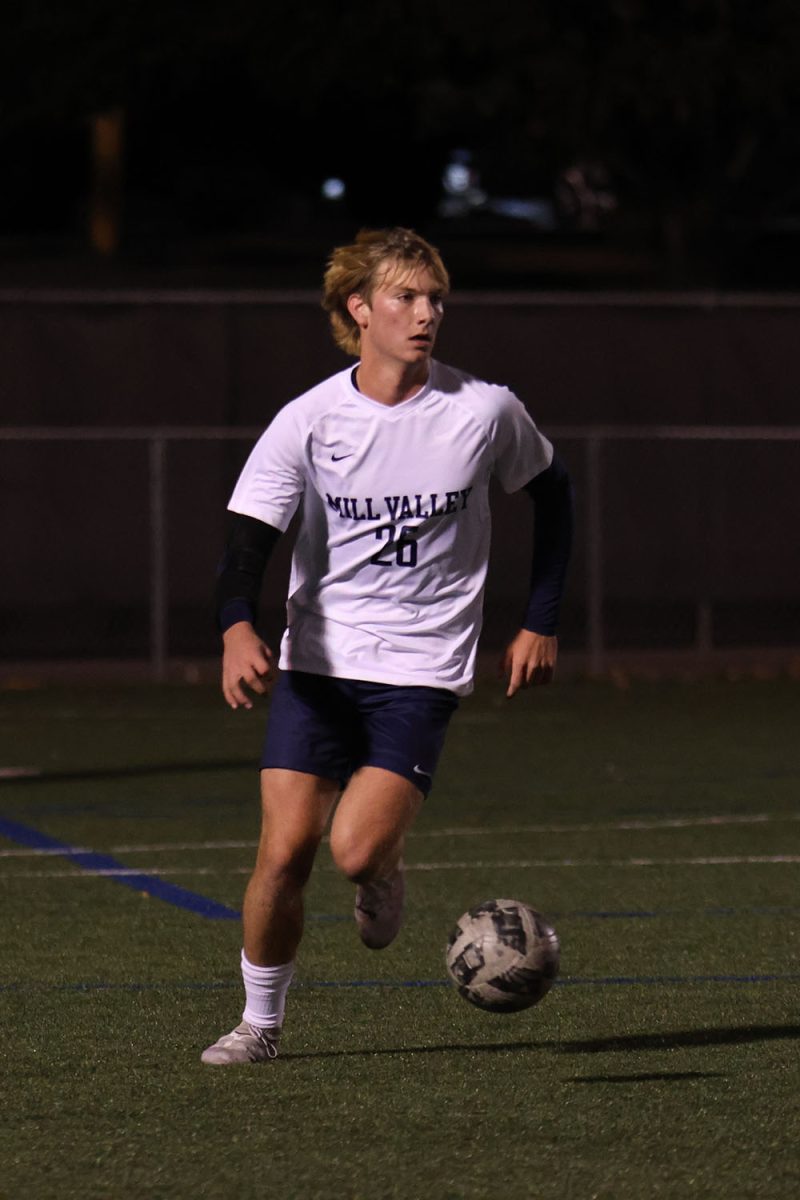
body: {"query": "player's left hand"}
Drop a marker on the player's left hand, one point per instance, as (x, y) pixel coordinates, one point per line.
(530, 660)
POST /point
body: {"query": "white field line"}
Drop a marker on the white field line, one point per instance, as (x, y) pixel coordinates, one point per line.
(706, 861)
(720, 821)
(599, 826)
(475, 865)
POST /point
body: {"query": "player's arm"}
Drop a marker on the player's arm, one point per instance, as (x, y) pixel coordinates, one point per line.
(246, 659)
(531, 656)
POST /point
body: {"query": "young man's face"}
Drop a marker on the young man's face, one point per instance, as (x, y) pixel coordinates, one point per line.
(403, 315)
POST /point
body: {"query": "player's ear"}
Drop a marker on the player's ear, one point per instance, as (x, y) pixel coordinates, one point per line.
(358, 309)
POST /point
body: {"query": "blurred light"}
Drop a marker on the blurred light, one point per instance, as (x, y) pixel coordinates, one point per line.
(333, 188)
(457, 178)
(537, 212)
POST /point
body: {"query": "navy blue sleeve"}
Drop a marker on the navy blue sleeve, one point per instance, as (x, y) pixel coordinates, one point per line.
(551, 492)
(247, 549)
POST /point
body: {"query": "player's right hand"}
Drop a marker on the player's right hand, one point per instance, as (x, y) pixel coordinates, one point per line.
(246, 661)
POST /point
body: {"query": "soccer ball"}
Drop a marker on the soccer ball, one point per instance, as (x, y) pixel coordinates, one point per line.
(503, 956)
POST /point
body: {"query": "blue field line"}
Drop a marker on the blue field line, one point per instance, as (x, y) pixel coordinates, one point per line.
(347, 984)
(666, 980)
(635, 914)
(644, 914)
(151, 885)
(566, 981)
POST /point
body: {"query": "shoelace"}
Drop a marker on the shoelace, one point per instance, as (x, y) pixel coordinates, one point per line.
(261, 1035)
(266, 1041)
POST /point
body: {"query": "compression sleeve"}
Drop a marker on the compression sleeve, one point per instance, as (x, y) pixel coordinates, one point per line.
(551, 492)
(248, 547)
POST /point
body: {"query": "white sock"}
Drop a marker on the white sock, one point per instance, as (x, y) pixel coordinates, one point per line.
(265, 990)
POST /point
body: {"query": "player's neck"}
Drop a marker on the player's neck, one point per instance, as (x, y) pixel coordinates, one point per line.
(391, 383)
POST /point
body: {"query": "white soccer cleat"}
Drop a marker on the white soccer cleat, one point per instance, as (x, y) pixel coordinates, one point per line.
(244, 1044)
(379, 909)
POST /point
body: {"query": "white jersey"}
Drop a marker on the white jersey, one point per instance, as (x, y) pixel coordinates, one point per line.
(390, 560)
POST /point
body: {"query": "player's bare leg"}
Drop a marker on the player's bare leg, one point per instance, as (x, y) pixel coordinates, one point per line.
(367, 838)
(294, 812)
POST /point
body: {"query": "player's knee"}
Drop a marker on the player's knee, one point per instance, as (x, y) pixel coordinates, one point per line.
(354, 857)
(287, 863)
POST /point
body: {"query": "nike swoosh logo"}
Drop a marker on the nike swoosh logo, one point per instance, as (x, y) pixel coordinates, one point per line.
(339, 457)
(419, 771)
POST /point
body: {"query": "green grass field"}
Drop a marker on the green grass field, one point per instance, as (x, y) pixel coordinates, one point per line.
(657, 826)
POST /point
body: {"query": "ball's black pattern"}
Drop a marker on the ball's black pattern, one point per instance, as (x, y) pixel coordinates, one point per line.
(503, 956)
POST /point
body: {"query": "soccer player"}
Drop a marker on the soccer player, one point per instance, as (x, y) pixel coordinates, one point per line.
(390, 462)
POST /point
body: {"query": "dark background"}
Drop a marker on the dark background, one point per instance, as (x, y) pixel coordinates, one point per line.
(602, 142)
(614, 185)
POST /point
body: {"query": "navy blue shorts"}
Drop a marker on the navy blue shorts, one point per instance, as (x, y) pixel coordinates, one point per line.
(331, 727)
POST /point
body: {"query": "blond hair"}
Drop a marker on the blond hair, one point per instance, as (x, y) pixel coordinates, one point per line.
(357, 269)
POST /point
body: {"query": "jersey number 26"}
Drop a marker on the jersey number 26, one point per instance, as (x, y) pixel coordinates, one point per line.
(398, 552)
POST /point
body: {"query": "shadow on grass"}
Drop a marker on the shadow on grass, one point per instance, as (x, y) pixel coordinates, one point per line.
(648, 1077)
(736, 1035)
(651, 1041)
(445, 1048)
(30, 777)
